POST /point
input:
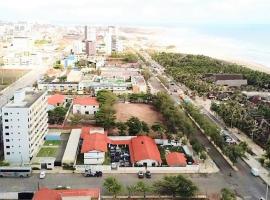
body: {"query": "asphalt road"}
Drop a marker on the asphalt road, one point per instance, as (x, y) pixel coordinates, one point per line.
(207, 183)
(246, 185)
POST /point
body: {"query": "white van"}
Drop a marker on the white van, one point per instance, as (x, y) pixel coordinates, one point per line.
(255, 171)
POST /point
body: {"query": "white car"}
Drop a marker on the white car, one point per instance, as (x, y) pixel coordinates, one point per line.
(42, 175)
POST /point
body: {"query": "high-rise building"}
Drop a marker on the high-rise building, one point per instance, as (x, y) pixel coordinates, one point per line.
(90, 48)
(25, 126)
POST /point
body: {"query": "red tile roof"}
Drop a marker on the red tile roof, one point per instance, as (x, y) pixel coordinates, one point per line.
(86, 101)
(48, 194)
(175, 159)
(55, 99)
(142, 148)
(93, 141)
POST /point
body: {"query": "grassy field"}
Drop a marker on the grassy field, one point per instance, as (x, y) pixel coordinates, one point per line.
(52, 143)
(144, 112)
(8, 76)
(47, 152)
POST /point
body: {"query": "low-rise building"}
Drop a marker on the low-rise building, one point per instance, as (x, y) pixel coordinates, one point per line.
(67, 194)
(55, 101)
(24, 125)
(176, 159)
(94, 145)
(138, 84)
(231, 80)
(85, 105)
(64, 87)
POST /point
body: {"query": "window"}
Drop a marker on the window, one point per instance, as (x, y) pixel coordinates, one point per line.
(8, 153)
(6, 120)
(6, 133)
(7, 147)
(7, 140)
(6, 127)
(6, 114)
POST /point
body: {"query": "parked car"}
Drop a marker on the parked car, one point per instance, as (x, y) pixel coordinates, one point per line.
(190, 160)
(113, 166)
(140, 174)
(148, 174)
(90, 173)
(42, 175)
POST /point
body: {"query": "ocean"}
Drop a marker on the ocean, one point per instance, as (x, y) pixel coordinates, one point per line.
(247, 43)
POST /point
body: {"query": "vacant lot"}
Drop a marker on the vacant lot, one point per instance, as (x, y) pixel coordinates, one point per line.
(47, 152)
(8, 76)
(144, 112)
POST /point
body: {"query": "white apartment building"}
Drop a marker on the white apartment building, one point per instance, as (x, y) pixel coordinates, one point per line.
(24, 125)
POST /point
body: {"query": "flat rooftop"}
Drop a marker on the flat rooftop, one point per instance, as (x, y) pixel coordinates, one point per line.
(29, 98)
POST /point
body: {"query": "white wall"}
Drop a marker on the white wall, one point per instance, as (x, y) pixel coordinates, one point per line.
(79, 109)
(94, 157)
(149, 162)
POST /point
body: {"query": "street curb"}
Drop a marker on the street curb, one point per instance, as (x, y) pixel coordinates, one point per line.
(217, 148)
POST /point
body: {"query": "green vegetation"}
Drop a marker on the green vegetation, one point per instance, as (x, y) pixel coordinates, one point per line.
(135, 126)
(42, 42)
(107, 160)
(112, 186)
(52, 143)
(3, 163)
(106, 114)
(232, 151)
(58, 65)
(191, 70)
(241, 113)
(175, 119)
(57, 115)
(142, 187)
(122, 128)
(127, 57)
(227, 194)
(146, 74)
(76, 119)
(175, 186)
(47, 152)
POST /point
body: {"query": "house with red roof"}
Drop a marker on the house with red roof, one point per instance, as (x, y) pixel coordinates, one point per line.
(85, 105)
(67, 194)
(56, 100)
(94, 145)
(176, 159)
(144, 151)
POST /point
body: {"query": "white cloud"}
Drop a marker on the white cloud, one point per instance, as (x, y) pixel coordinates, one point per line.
(138, 11)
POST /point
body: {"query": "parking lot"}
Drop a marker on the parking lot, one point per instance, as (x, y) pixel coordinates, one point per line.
(119, 155)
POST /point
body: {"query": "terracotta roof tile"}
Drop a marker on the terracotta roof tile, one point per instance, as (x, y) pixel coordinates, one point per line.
(175, 159)
(55, 99)
(86, 101)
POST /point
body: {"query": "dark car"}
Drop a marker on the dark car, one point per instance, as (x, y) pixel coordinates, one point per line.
(89, 173)
(140, 174)
(148, 174)
(190, 160)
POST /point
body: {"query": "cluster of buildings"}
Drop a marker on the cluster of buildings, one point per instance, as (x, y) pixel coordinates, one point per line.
(117, 79)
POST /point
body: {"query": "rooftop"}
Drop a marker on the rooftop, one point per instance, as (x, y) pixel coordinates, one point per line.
(176, 159)
(49, 194)
(85, 101)
(56, 99)
(24, 98)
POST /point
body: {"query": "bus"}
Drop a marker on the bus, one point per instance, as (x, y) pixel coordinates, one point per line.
(15, 171)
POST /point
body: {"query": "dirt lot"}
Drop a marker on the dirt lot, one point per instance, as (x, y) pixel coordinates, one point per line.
(144, 112)
(8, 76)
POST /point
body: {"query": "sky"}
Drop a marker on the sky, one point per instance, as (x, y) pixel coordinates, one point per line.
(137, 12)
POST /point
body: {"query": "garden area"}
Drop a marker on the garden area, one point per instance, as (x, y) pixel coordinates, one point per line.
(47, 152)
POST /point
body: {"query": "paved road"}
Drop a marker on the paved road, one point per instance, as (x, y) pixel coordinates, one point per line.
(207, 183)
(246, 185)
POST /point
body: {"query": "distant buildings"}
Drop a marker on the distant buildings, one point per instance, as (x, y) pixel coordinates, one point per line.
(90, 48)
(55, 101)
(231, 80)
(24, 125)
